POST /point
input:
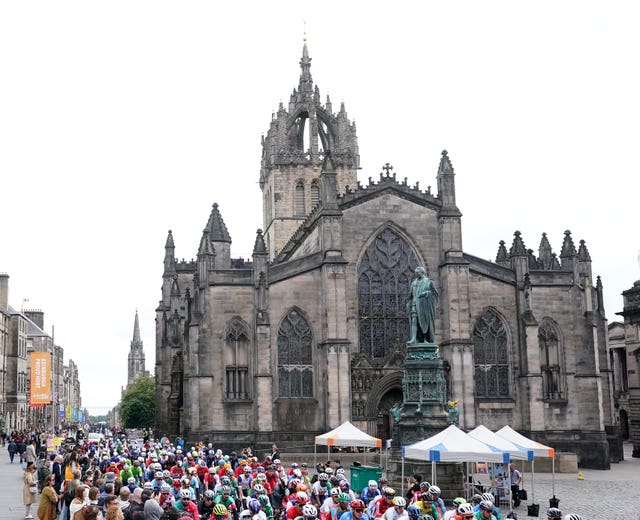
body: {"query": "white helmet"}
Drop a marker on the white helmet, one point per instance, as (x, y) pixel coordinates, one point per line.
(185, 493)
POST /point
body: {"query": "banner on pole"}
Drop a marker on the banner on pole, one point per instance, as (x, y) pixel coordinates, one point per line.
(40, 378)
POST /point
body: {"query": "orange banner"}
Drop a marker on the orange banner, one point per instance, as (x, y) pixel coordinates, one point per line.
(40, 378)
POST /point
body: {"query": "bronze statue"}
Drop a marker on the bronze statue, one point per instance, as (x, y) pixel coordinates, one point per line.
(421, 306)
(454, 414)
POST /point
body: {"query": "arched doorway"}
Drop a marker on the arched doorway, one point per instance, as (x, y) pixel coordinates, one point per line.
(624, 425)
(383, 419)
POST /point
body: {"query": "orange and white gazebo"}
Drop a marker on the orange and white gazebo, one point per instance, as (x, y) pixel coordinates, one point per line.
(347, 435)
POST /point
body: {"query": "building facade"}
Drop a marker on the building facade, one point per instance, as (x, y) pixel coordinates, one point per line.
(629, 401)
(312, 331)
(21, 333)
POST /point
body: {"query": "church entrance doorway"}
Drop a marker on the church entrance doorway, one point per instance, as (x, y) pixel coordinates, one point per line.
(624, 425)
(383, 419)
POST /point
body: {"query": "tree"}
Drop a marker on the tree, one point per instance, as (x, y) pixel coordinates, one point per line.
(138, 406)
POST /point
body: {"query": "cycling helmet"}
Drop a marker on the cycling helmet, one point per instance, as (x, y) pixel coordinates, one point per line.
(309, 510)
(323, 477)
(344, 485)
(357, 504)
(296, 472)
(226, 490)
(225, 481)
(465, 509)
(185, 493)
(131, 480)
(390, 491)
(258, 488)
(554, 512)
(486, 505)
(334, 491)
(219, 510)
(212, 470)
(302, 498)
(159, 474)
(344, 497)
(262, 476)
(383, 480)
(414, 512)
(301, 487)
(263, 499)
(294, 482)
(340, 471)
(399, 502)
(166, 474)
(574, 516)
(488, 496)
(175, 482)
(458, 500)
(434, 491)
(254, 506)
(476, 499)
(209, 494)
(165, 488)
(373, 484)
(329, 471)
(424, 485)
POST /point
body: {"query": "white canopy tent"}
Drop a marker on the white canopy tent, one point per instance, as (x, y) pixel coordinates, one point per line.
(539, 450)
(347, 435)
(484, 434)
(452, 445)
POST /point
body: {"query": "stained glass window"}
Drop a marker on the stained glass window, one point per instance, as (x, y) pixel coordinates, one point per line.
(551, 361)
(384, 278)
(295, 372)
(491, 356)
(236, 357)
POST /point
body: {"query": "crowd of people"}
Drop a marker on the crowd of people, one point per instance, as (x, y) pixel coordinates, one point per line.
(141, 480)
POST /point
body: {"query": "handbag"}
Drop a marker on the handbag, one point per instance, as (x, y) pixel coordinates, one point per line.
(522, 494)
(33, 489)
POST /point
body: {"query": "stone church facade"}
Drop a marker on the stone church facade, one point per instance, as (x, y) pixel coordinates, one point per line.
(311, 331)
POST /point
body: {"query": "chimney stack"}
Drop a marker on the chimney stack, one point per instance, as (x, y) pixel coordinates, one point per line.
(4, 290)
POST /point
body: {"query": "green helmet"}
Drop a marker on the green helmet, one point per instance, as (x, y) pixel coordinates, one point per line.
(344, 497)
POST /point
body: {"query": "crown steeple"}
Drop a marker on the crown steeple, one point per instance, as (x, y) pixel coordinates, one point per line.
(305, 87)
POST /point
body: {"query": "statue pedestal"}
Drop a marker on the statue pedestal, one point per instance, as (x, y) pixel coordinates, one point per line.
(425, 392)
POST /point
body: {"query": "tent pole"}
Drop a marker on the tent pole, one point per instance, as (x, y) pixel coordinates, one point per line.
(553, 475)
(433, 473)
(508, 490)
(533, 493)
(402, 492)
(315, 456)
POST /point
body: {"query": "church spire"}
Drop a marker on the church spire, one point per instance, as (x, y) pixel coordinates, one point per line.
(216, 226)
(169, 256)
(305, 87)
(136, 362)
(136, 330)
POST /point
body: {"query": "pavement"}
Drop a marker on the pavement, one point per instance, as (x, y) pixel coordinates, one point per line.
(612, 494)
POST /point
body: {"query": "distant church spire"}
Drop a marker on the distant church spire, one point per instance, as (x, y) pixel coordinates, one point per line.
(136, 355)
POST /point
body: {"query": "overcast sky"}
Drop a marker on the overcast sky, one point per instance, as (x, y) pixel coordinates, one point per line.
(122, 120)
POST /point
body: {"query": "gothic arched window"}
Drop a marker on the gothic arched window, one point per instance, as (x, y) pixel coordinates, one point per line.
(299, 200)
(490, 356)
(551, 365)
(236, 360)
(295, 370)
(384, 278)
(315, 194)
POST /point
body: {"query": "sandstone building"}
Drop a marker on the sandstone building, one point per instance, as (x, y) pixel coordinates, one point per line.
(311, 332)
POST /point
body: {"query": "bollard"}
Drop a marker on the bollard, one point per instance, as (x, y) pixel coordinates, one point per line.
(580, 475)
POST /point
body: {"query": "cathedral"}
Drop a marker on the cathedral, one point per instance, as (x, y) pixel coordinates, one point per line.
(312, 331)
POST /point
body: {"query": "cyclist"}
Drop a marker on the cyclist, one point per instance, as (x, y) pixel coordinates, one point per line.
(320, 489)
(485, 511)
(553, 513)
(357, 509)
(370, 492)
(488, 497)
(185, 504)
(301, 499)
(453, 512)
(465, 512)
(398, 511)
(379, 506)
(207, 504)
(342, 507)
